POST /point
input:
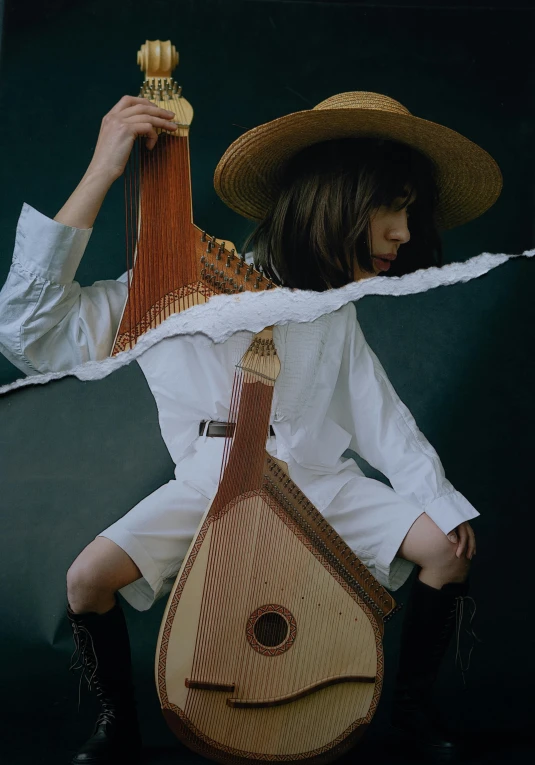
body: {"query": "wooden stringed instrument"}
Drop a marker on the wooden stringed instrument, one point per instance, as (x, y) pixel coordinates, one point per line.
(172, 265)
(271, 643)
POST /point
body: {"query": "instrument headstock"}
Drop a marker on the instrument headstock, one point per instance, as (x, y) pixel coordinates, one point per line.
(157, 59)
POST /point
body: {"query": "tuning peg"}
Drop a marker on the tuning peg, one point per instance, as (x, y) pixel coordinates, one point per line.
(209, 247)
(203, 236)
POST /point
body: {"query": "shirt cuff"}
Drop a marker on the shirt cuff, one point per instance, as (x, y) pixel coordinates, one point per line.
(450, 510)
(47, 248)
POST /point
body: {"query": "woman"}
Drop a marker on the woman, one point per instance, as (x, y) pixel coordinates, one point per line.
(333, 189)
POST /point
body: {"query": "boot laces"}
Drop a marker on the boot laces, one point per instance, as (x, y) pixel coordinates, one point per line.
(84, 658)
(464, 665)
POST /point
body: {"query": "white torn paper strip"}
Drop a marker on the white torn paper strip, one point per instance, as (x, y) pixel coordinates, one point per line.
(223, 315)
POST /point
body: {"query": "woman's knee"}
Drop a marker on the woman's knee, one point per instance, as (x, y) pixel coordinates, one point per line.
(98, 572)
(427, 546)
(83, 592)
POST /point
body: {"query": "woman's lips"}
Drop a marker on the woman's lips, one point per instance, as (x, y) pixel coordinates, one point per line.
(382, 263)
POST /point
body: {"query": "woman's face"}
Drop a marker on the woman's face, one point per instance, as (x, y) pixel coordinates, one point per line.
(389, 228)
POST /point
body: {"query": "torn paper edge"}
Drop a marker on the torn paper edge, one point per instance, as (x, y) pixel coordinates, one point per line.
(223, 315)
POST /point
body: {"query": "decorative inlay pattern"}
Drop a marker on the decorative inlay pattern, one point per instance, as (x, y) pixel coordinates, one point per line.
(287, 642)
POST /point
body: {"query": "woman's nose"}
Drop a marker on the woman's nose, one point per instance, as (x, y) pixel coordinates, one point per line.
(399, 231)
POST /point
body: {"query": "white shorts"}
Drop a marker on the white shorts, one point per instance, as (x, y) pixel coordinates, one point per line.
(371, 518)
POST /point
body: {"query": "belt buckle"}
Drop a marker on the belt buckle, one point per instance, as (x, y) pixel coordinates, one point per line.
(203, 427)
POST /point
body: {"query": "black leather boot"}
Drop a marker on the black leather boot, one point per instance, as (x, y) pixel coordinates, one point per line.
(103, 655)
(431, 619)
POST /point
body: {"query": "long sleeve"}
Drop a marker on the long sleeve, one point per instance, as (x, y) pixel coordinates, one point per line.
(47, 321)
(386, 435)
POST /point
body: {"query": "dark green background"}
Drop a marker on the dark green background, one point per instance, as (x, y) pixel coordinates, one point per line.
(75, 456)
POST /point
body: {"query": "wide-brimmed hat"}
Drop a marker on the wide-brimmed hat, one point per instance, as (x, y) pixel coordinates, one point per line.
(249, 174)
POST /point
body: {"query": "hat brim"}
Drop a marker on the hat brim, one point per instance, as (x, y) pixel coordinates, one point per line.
(248, 176)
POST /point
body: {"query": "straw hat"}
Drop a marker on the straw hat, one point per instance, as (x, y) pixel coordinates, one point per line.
(248, 175)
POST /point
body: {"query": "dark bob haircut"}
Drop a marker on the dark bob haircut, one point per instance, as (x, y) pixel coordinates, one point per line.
(319, 227)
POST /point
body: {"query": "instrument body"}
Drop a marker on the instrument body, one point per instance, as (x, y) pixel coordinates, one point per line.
(271, 644)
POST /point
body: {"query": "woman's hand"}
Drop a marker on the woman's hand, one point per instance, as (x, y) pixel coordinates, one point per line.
(465, 538)
(130, 117)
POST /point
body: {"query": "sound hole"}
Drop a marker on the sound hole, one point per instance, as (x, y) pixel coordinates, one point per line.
(271, 629)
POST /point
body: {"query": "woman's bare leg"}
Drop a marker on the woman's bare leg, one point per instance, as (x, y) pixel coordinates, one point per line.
(427, 546)
(98, 572)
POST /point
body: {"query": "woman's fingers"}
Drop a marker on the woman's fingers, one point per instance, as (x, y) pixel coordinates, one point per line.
(463, 540)
(126, 101)
(147, 130)
(471, 541)
(143, 127)
(144, 119)
(467, 540)
(146, 108)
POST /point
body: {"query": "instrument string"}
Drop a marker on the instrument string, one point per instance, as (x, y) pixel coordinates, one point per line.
(135, 203)
(128, 244)
(137, 264)
(149, 221)
(159, 220)
(192, 264)
(204, 637)
(181, 173)
(134, 245)
(172, 223)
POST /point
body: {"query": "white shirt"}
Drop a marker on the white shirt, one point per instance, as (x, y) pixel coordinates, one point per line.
(332, 393)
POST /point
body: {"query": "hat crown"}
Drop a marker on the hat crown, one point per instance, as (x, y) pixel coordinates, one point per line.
(361, 99)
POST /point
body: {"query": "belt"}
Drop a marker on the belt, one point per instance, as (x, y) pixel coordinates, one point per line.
(220, 429)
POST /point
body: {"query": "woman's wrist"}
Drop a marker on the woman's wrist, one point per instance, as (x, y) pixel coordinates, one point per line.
(101, 175)
(83, 205)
